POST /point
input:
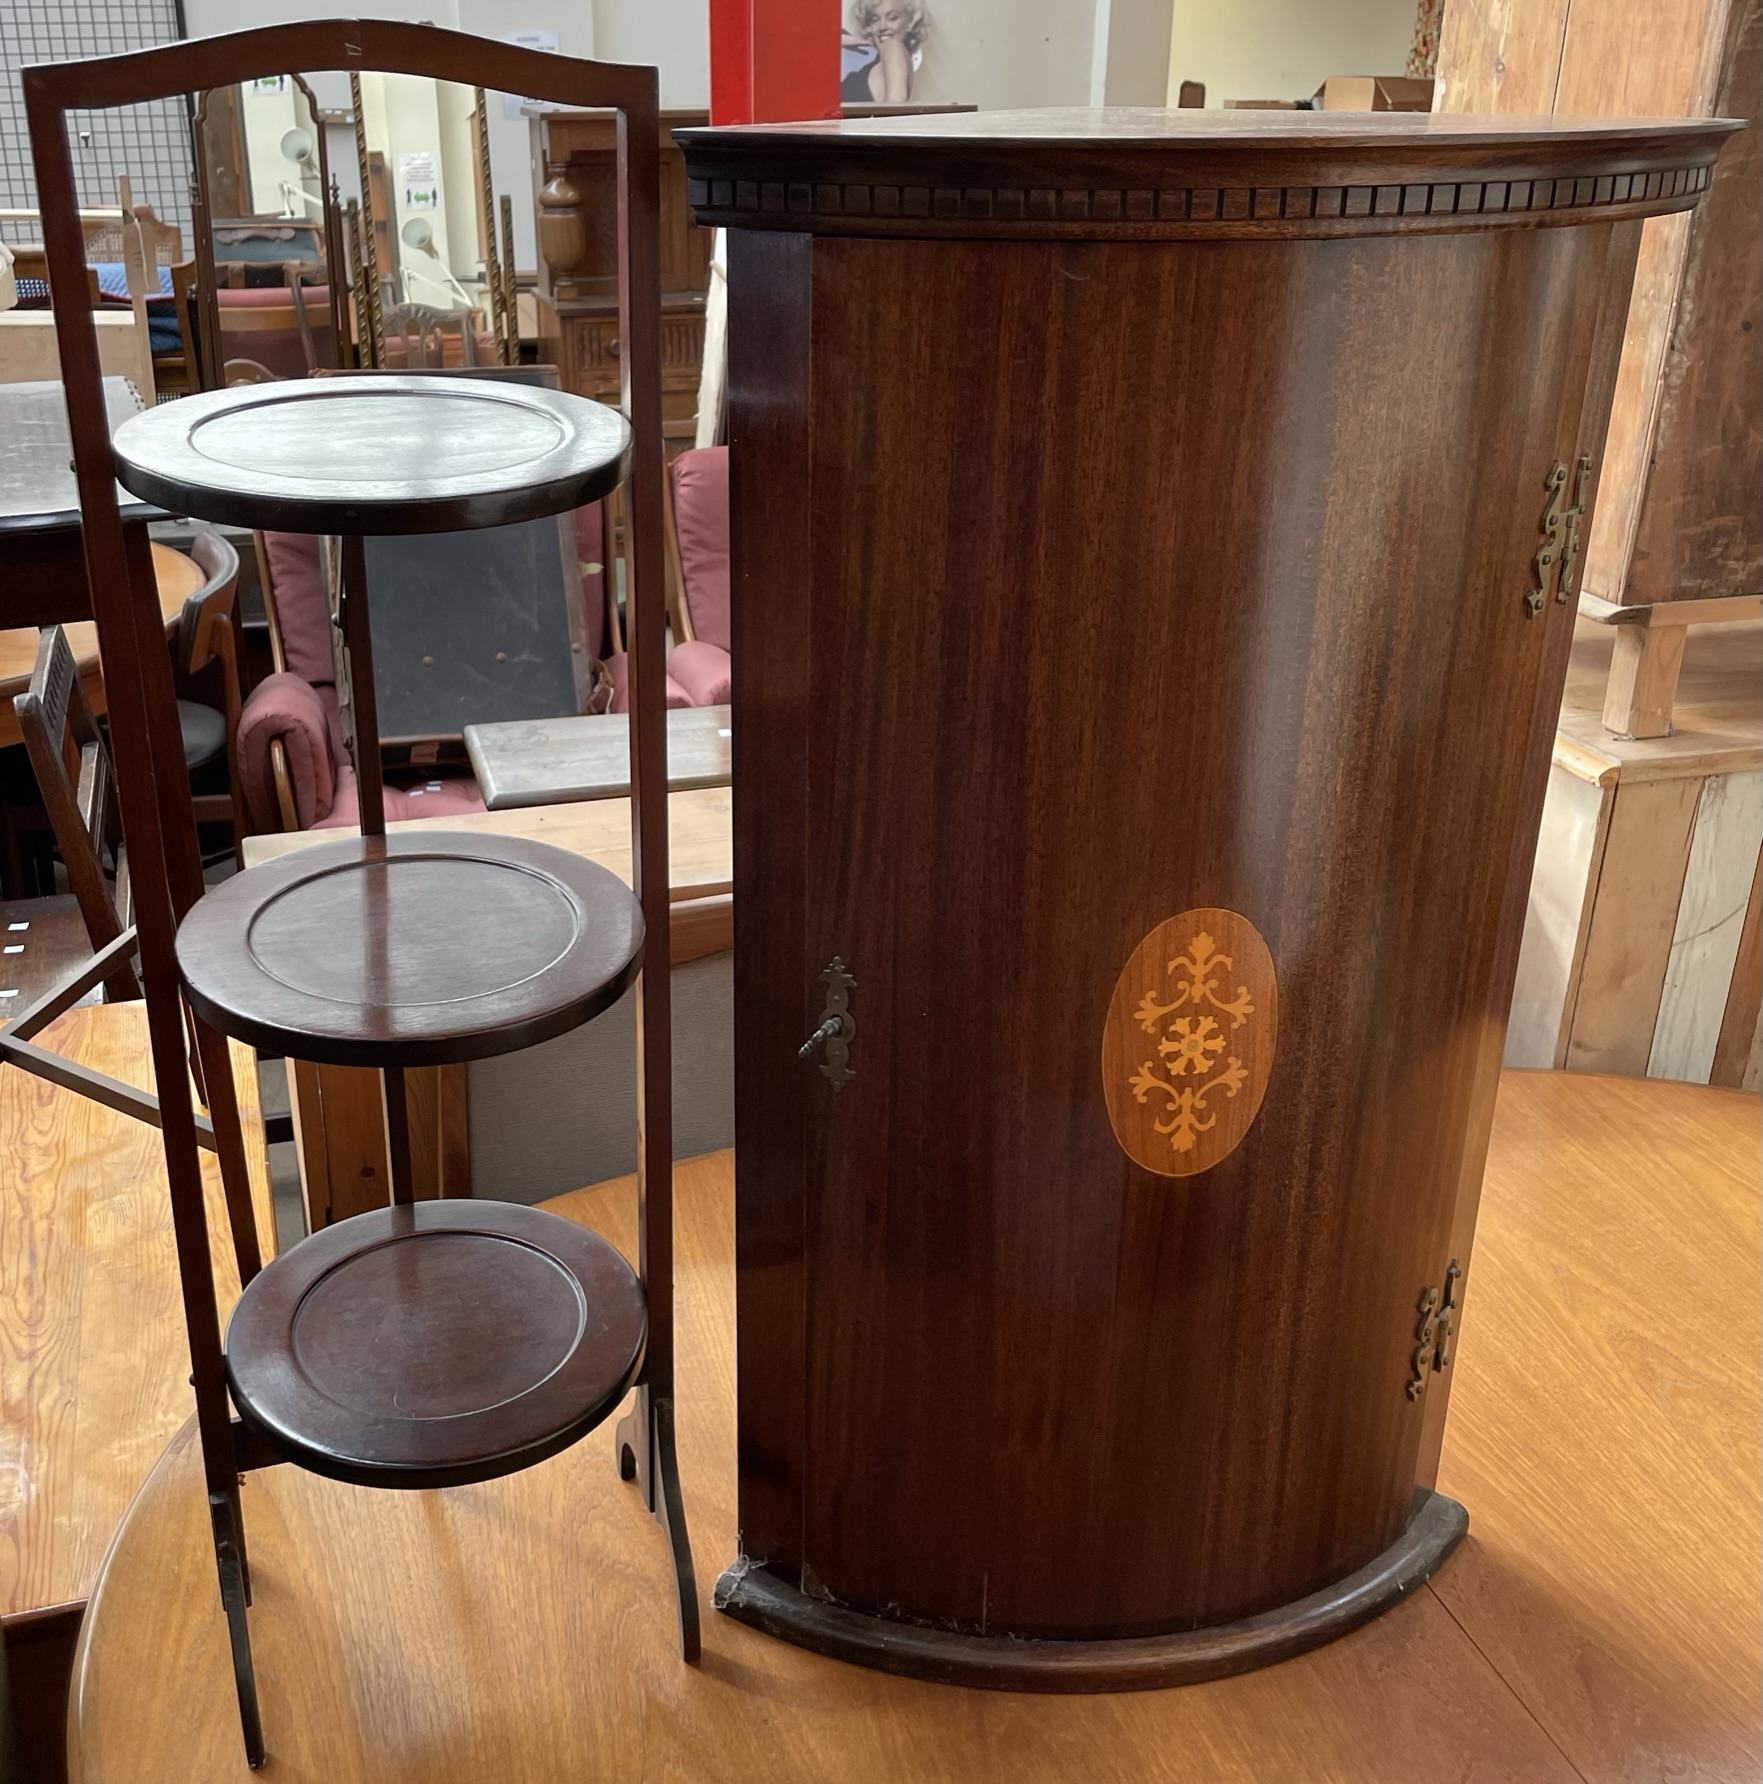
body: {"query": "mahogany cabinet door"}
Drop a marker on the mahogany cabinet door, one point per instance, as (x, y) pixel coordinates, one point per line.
(1080, 585)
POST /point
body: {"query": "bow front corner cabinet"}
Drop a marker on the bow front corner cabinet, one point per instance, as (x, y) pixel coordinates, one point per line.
(1154, 552)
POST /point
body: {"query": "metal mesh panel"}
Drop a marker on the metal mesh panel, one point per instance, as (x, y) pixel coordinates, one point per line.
(150, 143)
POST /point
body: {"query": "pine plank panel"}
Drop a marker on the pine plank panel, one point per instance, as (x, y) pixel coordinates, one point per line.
(1633, 919)
(1737, 1045)
(1501, 55)
(1605, 1425)
(1710, 925)
(1557, 920)
(93, 1361)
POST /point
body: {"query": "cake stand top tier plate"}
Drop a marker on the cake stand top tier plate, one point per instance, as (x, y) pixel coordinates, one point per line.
(377, 454)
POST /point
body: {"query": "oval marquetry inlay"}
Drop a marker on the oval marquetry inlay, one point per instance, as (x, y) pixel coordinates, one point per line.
(1188, 1044)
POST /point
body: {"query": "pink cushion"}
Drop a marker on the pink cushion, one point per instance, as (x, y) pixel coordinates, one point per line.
(302, 611)
(434, 799)
(618, 667)
(284, 706)
(703, 670)
(700, 513)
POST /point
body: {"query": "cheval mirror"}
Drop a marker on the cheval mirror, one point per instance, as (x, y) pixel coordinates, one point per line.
(355, 1354)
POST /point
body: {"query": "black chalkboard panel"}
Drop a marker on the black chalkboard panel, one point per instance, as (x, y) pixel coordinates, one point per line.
(474, 628)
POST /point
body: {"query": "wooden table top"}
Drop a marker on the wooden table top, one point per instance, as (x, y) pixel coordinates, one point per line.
(93, 1357)
(178, 576)
(701, 852)
(37, 491)
(1599, 1622)
(560, 761)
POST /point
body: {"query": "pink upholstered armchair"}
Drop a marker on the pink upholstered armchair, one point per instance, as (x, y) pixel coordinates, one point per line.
(293, 765)
(697, 549)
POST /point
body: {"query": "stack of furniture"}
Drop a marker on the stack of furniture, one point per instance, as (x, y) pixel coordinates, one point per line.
(1642, 949)
(358, 1353)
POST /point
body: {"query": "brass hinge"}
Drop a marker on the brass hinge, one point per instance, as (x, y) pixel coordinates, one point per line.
(1558, 552)
(1435, 1332)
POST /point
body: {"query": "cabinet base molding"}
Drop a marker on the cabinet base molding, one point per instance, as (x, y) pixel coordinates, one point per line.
(751, 1595)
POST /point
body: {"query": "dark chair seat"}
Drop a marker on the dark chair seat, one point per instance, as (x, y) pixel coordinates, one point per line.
(436, 1343)
(204, 731)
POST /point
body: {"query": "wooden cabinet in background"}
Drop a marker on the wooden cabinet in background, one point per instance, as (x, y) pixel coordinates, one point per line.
(575, 165)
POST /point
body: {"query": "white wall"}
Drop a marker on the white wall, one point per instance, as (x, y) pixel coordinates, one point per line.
(998, 54)
(1285, 49)
(673, 35)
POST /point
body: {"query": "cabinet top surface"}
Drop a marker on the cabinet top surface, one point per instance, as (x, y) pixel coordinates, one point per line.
(1144, 174)
(1076, 126)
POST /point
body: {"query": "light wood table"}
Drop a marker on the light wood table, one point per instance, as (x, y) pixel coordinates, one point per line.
(558, 761)
(94, 1367)
(339, 1126)
(178, 577)
(1600, 1622)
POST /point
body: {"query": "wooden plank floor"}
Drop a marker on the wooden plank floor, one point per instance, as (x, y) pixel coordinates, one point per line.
(1601, 1621)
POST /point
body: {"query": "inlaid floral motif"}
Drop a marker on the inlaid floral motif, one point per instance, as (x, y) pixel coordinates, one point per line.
(1211, 1033)
(1190, 1043)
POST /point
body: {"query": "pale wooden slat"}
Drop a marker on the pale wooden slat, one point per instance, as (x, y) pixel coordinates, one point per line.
(1557, 920)
(1634, 918)
(1710, 922)
(1741, 1025)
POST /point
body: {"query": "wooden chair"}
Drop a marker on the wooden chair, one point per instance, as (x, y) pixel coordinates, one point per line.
(208, 633)
(32, 263)
(185, 928)
(72, 764)
(420, 337)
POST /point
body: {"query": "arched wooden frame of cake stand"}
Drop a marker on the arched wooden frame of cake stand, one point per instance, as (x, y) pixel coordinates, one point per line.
(158, 819)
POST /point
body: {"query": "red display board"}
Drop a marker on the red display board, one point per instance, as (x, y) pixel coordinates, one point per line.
(773, 60)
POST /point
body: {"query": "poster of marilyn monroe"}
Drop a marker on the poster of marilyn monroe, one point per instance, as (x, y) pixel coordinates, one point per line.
(882, 50)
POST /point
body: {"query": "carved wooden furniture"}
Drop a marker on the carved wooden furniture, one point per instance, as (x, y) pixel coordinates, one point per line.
(423, 1344)
(1102, 1252)
(573, 157)
(560, 761)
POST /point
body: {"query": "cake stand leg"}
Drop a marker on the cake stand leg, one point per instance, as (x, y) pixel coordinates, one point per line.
(646, 1454)
(229, 1553)
(397, 1109)
(218, 1091)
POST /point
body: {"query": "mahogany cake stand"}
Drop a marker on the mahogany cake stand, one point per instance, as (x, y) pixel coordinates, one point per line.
(412, 1346)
